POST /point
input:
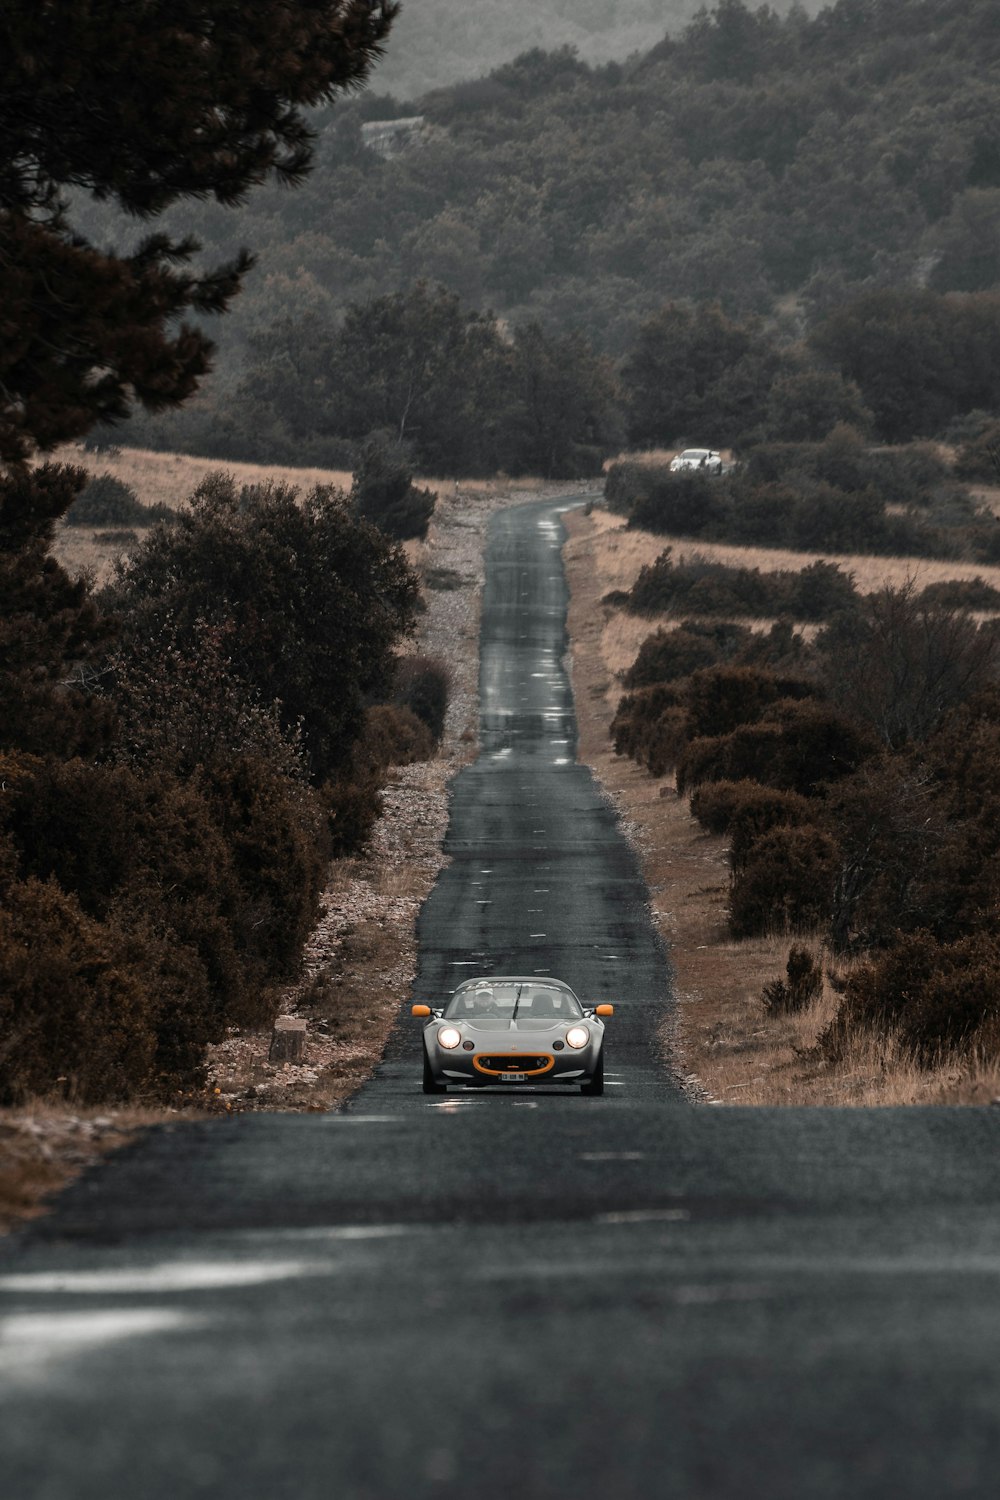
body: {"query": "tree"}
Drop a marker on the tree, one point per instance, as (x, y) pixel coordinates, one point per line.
(383, 491)
(913, 661)
(695, 371)
(568, 418)
(312, 602)
(142, 105)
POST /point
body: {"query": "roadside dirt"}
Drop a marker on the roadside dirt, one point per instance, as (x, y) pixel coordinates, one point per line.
(720, 1041)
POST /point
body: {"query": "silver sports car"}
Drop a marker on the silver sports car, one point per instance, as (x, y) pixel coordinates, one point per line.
(513, 1030)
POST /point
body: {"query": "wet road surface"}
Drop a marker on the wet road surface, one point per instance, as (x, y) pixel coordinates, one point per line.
(525, 1292)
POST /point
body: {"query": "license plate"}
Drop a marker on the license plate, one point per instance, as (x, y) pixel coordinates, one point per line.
(511, 1077)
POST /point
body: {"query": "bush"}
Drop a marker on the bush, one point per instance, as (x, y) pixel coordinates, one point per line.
(757, 813)
(978, 459)
(651, 726)
(694, 583)
(786, 884)
(799, 747)
(668, 654)
(625, 482)
(802, 985)
(74, 1014)
(960, 593)
(384, 493)
(685, 504)
(719, 699)
(423, 685)
(394, 736)
(107, 501)
(937, 998)
(714, 802)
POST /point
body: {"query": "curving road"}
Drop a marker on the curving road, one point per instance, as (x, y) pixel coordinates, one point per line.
(526, 1292)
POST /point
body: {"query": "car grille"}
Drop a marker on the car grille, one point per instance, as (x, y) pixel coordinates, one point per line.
(515, 1062)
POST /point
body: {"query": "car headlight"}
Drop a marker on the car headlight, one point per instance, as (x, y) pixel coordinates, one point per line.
(449, 1036)
(578, 1036)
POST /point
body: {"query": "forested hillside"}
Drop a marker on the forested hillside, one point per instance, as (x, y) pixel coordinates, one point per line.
(437, 42)
(779, 166)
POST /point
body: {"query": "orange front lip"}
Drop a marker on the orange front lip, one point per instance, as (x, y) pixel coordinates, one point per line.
(528, 1072)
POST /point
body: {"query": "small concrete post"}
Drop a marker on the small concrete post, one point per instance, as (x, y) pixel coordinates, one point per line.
(288, 1040)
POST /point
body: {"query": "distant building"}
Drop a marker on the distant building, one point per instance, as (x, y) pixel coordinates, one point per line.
(390, 137)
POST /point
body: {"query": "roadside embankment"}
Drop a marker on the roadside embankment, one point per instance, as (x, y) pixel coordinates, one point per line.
(720, 1039)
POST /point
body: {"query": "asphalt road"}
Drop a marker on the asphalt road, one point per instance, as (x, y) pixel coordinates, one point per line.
(526, 1292)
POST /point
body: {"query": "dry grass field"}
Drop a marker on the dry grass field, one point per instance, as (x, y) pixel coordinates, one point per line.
(621, 554)
(720, 1037)
(170, 478)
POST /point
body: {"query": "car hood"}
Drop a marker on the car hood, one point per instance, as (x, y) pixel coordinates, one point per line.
(528, 1027)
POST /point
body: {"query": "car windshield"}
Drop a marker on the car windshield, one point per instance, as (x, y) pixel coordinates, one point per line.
(510, 1000)
(695, 453)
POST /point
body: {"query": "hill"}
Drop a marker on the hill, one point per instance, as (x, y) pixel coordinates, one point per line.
(440, 42)
(778, 165)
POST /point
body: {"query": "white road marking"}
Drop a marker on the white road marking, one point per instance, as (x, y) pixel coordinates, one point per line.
(170, 1276)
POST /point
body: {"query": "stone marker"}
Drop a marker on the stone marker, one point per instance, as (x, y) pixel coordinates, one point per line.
(288, 1040)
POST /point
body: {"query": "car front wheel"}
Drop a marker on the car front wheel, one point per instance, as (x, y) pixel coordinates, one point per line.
(595, 1084)
(431, 1086)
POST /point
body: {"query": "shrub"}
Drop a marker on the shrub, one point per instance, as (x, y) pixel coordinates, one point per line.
(651, 726)
(758, 812)
(714, 802)
(73, 1012)
(107, 501)
(937, 998)
(311, 601)
(694, 583)
(786, 884)
(914, 661)
(384, 493)
(685, 504)
(799, 747)
(978, 459)
(668, 654)
(423, 685)
(803, 983)
(625, 482)
(718, 699)
(961, 593)
(394, 736)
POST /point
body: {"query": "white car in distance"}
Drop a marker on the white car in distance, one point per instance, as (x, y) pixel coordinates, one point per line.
(708, 460)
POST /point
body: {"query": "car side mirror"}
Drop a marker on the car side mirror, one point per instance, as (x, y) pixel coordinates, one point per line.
(604, 1010)
(421, 1010)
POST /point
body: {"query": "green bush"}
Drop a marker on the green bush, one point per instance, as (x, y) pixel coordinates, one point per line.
(786, 884)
